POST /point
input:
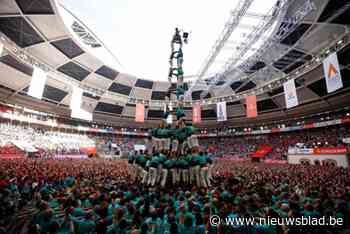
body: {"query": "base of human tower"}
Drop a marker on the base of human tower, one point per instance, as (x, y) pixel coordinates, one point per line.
(175, 159)
(160, 170)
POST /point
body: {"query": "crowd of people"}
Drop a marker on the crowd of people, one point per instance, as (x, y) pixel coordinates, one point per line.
(31, 139)
(99, 196)
(243, 146)
(51, 142)
(190, 168)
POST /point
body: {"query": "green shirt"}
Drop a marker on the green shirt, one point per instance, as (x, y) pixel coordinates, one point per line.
(179, 91)
(154, 161)
(201, 160)
(162, 158)
(141, 160)
(190, 130)
(180, 134)
(179, 113)
(182, 163)
(83, 226)
(191, 160)
(163, 132)
(169, 163)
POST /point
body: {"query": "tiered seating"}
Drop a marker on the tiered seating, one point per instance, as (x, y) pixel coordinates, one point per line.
(51, 142)
(10, 151)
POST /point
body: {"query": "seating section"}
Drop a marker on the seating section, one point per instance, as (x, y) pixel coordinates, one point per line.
(44, 141)
(10, 151)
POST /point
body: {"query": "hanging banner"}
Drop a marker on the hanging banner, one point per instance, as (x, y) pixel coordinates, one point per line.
(1, 48)
(221, 111)
(335, 150)
(37, 84)
(252, 110)
(140, 113)
(332, 73)
(75, 105)
(196, 113)
(290, 94)
(75, 101)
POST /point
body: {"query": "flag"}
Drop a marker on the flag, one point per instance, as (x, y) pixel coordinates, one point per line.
(252, 111)
(221, 111)
(140, 113)
(290, 94)
(1, 48)
(76, 98)
(75, 105)
(196, 113)
(37, 84)
(332, 73)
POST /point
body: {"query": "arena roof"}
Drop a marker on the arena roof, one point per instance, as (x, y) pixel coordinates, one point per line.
(36, 34)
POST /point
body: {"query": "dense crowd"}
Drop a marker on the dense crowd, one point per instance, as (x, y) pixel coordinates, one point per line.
(33, 139)
(98, 196)
(242, 146)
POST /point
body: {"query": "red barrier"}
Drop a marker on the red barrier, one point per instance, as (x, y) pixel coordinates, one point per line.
(88, 150)
(262, 151)
(345, 120)
(307, 126)
(339, 150)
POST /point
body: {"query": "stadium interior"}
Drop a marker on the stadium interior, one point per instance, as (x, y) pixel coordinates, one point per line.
(260, 132)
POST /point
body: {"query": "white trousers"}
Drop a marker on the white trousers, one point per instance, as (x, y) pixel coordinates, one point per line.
(164, 177)
(204, 177)
(152, 176)
(184, 174)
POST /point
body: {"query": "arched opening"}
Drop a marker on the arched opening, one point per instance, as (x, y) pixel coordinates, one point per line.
(317, 162)
(330, 163)
(305, 161)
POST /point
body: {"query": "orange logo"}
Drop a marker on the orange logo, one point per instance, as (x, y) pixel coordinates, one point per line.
(331, 71)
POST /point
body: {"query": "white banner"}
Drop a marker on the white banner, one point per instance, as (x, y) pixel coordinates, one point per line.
(1, 48)
(37, 84)
(221, 111)
(332, 73)
(290, 94)
(75, 101)
(295, 150)
(75, 105)
(346, 140)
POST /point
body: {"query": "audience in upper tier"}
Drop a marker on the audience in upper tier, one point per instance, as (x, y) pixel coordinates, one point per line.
(242, 146)
(34, 139)
(50, 142)
(98, 196)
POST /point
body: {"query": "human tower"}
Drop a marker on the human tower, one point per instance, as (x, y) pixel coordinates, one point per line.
(175, 155)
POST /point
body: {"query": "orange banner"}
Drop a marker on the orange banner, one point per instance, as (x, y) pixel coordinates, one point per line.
(339, 150)
(252, 111)
(140, 113)
(196, 113)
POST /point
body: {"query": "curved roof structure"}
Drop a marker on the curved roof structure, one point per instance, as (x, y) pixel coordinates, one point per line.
(34, 33)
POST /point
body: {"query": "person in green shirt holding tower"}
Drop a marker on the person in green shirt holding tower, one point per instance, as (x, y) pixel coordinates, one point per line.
(183, 168)
(153, 167)
(168, 166)
(141, 162)
(160, 171)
